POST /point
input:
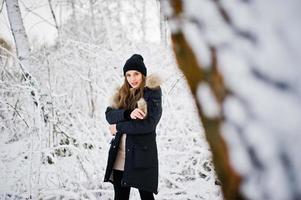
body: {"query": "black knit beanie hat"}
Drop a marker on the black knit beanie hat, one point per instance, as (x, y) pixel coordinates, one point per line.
(135, 62)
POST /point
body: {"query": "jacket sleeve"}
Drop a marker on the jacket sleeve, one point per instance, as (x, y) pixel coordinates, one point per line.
(147, 125)
(113, 116)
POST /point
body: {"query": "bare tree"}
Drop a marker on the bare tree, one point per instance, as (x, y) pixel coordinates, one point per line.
(19, 33)
(163, 21)
(54, 17)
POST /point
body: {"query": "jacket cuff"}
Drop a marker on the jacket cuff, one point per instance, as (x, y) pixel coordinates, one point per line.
(119, 127)
(127, 114)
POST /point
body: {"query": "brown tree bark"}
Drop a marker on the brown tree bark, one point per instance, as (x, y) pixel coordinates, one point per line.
(196, 75)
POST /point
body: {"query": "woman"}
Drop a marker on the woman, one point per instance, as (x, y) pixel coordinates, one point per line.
(133, 116)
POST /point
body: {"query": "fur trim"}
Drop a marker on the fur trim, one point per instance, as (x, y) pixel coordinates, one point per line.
(152, 81)
(142, 105)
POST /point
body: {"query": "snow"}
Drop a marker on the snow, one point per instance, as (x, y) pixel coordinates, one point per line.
(21, 41)
(205, 95)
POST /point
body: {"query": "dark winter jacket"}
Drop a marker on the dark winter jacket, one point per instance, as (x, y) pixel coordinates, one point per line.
(141, 162)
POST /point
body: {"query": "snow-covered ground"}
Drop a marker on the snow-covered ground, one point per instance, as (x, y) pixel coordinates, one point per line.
(73, 170)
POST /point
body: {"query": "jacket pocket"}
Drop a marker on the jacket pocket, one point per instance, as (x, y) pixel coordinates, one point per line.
(144, 157)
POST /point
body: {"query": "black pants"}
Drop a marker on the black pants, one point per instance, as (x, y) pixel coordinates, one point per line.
(123, 193)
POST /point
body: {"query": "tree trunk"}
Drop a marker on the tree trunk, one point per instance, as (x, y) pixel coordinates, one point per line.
(163, 29)
(54, 18)
(19, 33)
(245, 58)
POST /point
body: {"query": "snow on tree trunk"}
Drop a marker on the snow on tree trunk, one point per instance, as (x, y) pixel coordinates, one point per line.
(37, 127)
(18, 31)
(163, 30)
(22, 45)
(241, 60)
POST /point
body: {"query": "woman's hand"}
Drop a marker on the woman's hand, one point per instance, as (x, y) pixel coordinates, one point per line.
(113, 130)
(137, 113)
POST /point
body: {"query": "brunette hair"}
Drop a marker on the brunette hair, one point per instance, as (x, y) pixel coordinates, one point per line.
(128, 96)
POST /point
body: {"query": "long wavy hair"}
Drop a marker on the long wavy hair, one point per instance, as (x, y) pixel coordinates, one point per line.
(128, 96)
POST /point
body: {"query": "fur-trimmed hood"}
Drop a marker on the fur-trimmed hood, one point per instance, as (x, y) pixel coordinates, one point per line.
(152, 81)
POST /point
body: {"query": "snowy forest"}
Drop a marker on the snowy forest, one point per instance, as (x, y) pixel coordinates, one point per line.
(231, 93)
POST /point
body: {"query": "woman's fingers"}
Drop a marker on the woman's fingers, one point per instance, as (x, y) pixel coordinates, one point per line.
(112, 128)
(139, 116)
(133, 114)
(139, 113)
